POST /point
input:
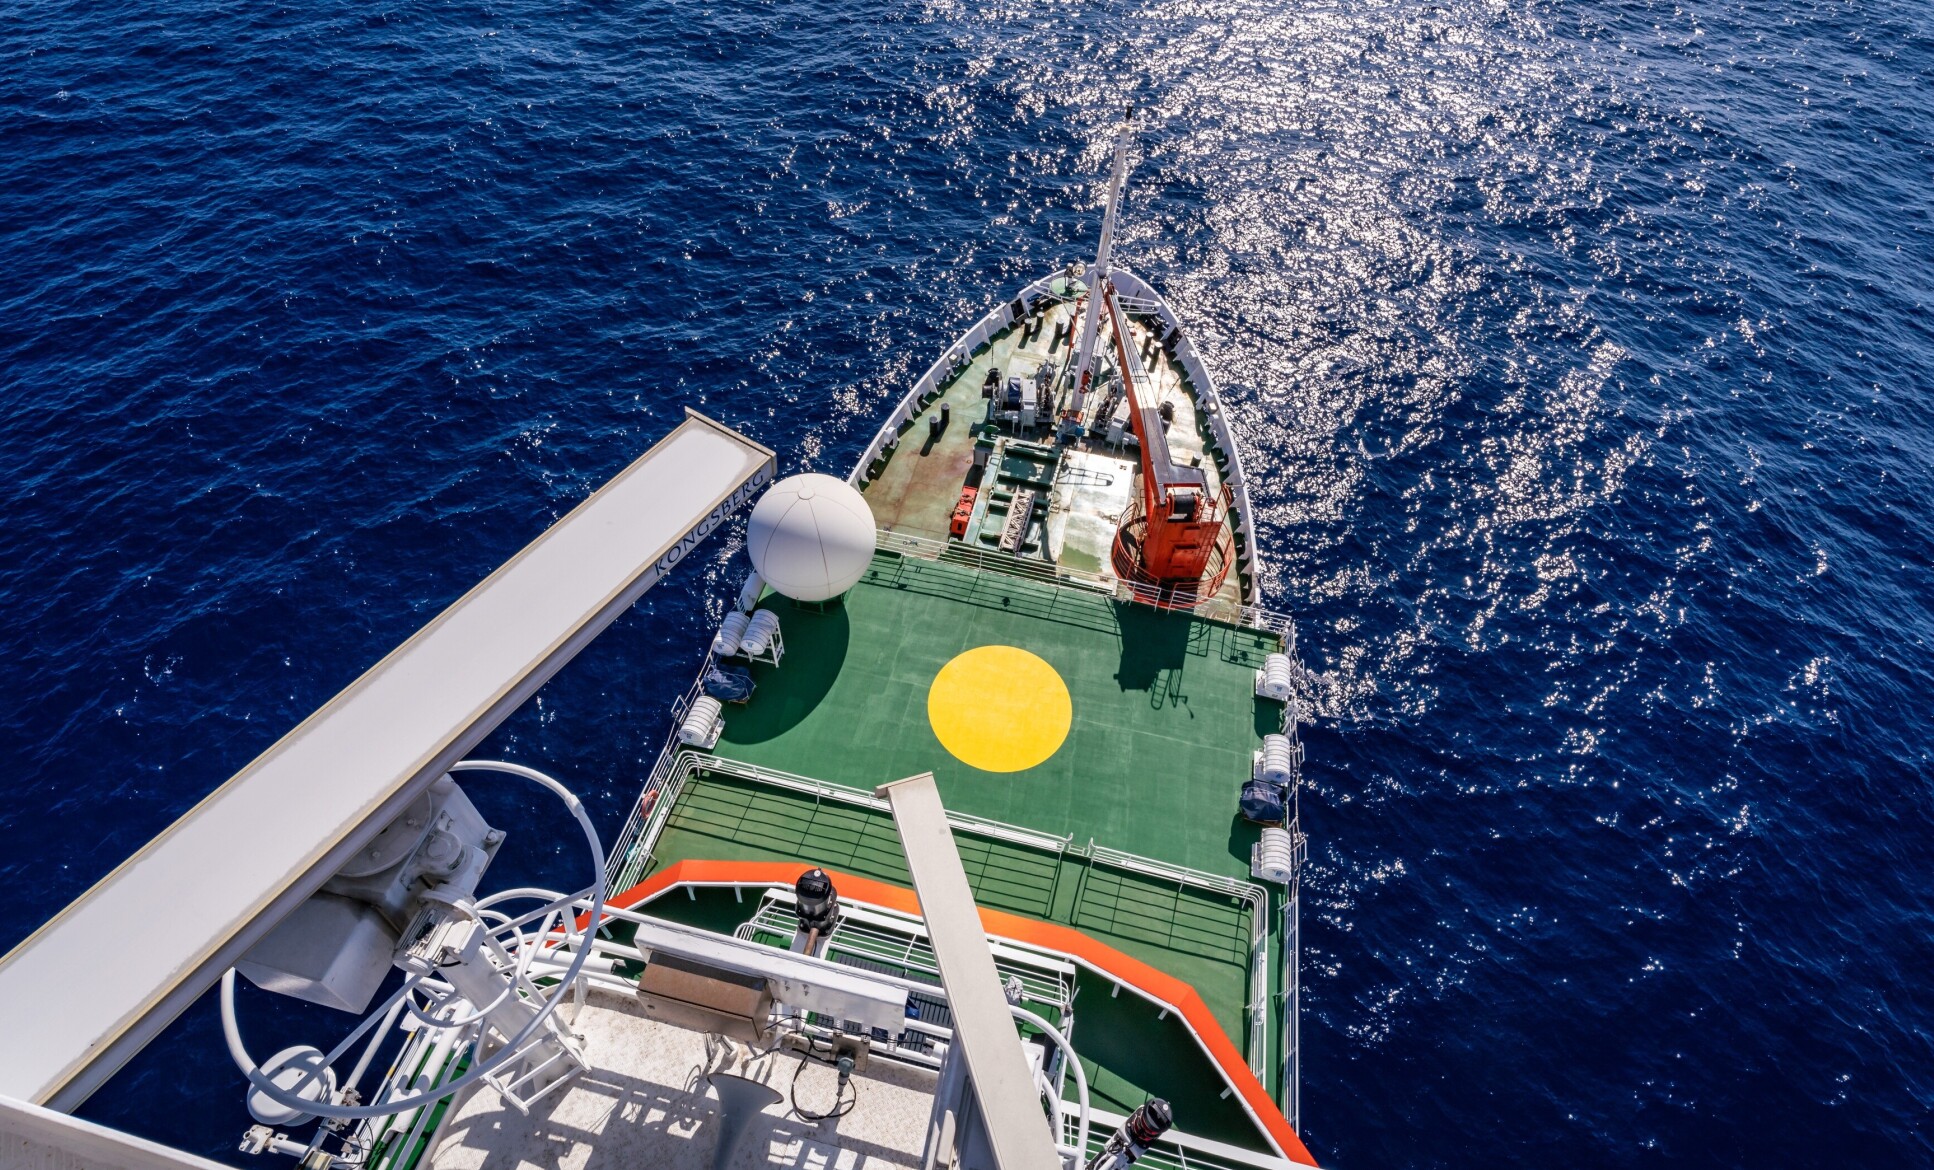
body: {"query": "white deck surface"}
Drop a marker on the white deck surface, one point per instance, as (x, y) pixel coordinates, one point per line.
(645, 1102)
(179, 911)
(1092, 493)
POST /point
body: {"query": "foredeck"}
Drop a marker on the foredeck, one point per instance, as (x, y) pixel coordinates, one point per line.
(914, 488)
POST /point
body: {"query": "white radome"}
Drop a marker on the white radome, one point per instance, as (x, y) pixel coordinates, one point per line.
(811, 537)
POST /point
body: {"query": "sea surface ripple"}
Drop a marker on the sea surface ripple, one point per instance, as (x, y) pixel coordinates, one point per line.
(1581, 352)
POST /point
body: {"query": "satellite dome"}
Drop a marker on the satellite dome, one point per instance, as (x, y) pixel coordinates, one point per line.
(811, 537)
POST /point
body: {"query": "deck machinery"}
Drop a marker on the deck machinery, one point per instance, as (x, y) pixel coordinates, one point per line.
(1172, 539)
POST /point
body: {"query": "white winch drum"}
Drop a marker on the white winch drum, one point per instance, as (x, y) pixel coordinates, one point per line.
(1277, 761)
(758, 632)
(1274, 680)
(700, 720)
(731, 633)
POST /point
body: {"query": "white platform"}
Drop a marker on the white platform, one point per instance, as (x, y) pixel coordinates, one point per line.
(83, 993)
(646, 1102)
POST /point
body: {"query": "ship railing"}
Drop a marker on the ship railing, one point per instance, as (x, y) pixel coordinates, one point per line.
(943, 370)
(825, 790)
(1046, 599)
(630, 854)
(1139, 305)
(1235, 613)
(1293, 998)
(631, 858)
(1254, 897)
(1180, 874)
(878, 935)
(1292, 915)
(626, 863)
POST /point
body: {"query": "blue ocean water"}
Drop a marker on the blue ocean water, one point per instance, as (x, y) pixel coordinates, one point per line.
(1581, 351)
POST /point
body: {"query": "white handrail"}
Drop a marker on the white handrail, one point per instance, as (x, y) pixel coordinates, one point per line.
(1253, 617)
(645, 830)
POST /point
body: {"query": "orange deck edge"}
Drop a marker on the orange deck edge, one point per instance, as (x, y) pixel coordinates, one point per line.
(1047, 935)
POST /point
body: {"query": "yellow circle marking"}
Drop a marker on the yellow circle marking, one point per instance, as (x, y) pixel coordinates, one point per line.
(999, 708)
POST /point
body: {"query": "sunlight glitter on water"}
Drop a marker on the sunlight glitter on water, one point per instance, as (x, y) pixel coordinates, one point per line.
(1579, 353)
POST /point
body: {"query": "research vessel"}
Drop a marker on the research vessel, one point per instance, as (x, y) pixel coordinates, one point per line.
(973, 843)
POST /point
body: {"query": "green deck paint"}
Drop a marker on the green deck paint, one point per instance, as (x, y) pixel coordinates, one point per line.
(1165, 716)
(1164, 723)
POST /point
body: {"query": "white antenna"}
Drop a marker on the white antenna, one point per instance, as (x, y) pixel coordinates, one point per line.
(1091, 322)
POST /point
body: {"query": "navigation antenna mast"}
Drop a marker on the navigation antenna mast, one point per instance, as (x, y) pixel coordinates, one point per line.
(1091, 320)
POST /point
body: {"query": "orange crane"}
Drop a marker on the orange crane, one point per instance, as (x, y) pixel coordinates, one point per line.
(1170, 543)
(1169, 540)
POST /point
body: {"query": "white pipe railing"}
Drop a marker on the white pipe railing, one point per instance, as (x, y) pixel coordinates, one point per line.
(641, 830)
(1254, 897)
(645, 829)
(1254, 617)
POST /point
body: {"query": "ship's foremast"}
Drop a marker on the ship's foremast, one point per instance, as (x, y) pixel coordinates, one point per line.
(1091, 320)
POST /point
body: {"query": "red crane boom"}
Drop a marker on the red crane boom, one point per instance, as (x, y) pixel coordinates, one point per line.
(1182, 519)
